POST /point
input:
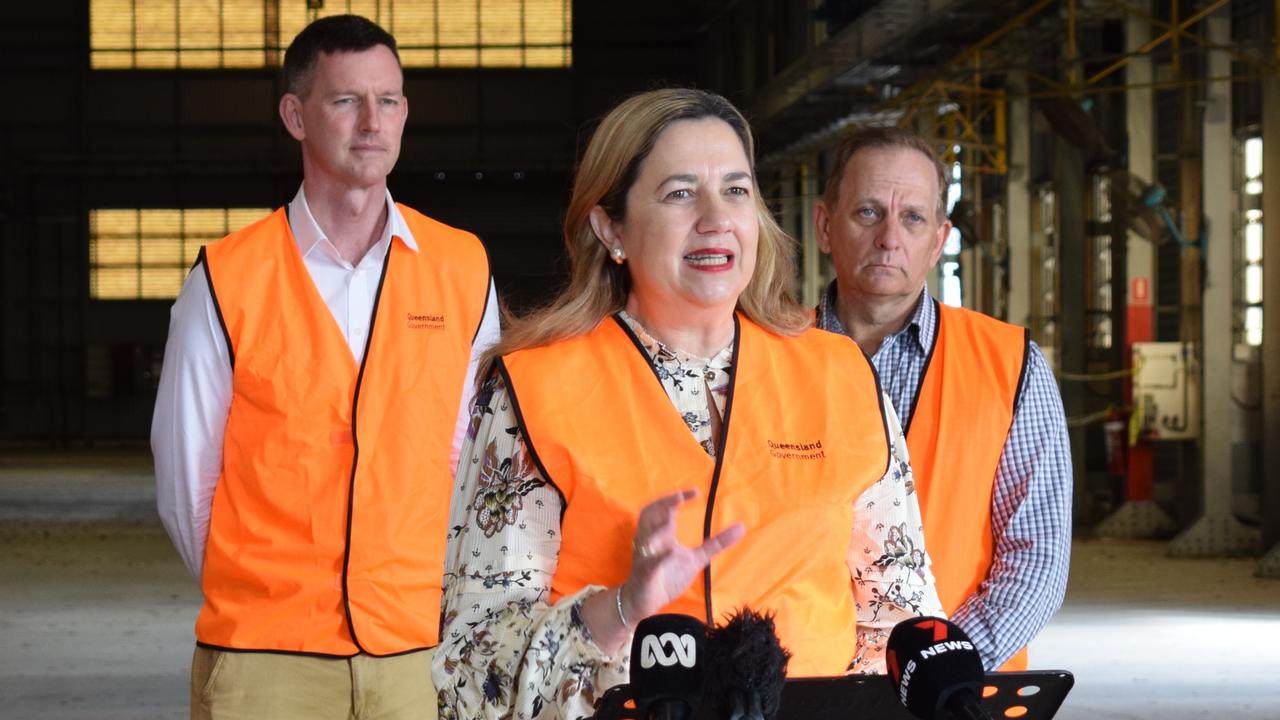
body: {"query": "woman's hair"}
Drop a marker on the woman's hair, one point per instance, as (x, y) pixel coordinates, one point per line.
(598, 287)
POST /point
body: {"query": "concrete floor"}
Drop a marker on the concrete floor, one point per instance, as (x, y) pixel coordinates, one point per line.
(96, 611)
(1154, 638)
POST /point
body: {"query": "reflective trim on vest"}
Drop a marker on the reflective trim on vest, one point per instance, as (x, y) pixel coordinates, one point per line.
(971, 383)
(803, 436)
(329, 520)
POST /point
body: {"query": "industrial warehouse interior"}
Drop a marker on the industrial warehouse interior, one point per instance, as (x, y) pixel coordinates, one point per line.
(1108, 190)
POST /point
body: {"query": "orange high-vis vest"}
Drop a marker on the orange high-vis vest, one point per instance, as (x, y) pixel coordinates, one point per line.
(964, 409)
(329, 518)
(803, 436)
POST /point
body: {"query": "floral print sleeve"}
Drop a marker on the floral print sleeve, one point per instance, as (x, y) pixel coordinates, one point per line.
(507, 652)
(892, 579)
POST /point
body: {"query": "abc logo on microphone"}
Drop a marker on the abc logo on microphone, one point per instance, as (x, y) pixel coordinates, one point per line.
(666, 664)
(668, 649)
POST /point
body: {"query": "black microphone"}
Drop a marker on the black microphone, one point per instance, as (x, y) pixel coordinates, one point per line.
(745, 668)
(667, 666)
(936, 671)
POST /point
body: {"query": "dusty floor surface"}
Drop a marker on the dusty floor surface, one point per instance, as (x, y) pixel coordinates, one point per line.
(96, 623)
(1149, 637)
(96, 612)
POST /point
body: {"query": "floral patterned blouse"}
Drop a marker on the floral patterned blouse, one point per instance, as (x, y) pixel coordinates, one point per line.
(506, 652)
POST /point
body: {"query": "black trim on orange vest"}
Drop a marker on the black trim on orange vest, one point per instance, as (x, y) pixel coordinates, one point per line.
(355, 442)
(928, 361)
(489, 291)
(884, 418)
(724, 434)
(720, 452)
(1022, 374)
(483, 309)
(635, 340)
(720, 444)
(300, 653)
(202, 260)
(501, 367)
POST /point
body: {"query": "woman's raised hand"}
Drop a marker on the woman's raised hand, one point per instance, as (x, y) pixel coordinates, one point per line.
(661, 570)
(661, 567)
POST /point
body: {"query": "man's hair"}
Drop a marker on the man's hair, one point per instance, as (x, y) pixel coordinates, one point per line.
(334, 34)
(883, 137)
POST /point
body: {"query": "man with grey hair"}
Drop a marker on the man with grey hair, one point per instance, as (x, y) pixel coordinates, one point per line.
(983, 418)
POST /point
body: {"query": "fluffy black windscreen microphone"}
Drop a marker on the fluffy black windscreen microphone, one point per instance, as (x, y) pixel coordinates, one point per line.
(744, 669)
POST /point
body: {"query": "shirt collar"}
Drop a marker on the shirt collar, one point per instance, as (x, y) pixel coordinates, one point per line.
(657, 350)
(920, 326)
(923, 321)
(307, 232)
(827, 318)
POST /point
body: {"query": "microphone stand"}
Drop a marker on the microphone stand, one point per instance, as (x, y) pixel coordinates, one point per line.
(963, 704)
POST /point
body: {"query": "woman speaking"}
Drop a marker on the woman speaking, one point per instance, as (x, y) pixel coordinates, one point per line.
(669, 435)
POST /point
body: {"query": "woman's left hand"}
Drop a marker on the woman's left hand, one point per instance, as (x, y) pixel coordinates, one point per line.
(662, 568)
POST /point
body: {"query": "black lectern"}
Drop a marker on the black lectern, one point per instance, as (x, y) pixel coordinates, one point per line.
(1033, 695)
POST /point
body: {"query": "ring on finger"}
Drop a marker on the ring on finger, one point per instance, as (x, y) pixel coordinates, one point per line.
(645, 550)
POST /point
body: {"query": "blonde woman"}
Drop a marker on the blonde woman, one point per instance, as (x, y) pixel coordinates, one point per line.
(669, 435)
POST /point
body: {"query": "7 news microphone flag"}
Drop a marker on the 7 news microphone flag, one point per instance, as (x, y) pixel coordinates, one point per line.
(936, 671)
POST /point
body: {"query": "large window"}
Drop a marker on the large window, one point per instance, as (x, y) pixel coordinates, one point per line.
(145, 254)
(1045, 258)
(133, 34)
(1249, 252)
(1098, 310)
(952, 286)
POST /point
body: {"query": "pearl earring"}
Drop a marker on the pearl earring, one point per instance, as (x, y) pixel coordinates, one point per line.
(617, 255)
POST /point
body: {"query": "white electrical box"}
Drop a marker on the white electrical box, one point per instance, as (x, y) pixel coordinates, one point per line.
(1166, 390)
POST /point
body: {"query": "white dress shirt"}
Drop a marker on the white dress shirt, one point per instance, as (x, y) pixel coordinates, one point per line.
(194, 396)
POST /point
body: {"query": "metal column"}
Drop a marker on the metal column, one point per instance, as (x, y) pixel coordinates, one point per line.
(1217, 532)
(1069, 179)
(1018, 201)
(1270, 565)
(811, 257)
(1139, 516)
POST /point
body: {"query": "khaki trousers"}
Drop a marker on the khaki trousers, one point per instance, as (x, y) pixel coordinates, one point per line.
(271, 686)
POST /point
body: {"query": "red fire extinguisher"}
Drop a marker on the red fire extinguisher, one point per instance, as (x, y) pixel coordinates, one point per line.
(1115, 437)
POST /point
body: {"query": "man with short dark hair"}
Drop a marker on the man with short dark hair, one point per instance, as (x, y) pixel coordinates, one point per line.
(979, 403)
(313, 401)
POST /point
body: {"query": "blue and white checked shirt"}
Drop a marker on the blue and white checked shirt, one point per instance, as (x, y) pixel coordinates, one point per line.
(1031, 504)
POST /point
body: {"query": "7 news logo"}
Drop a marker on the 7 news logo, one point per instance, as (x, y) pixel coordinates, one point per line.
(938, 632)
